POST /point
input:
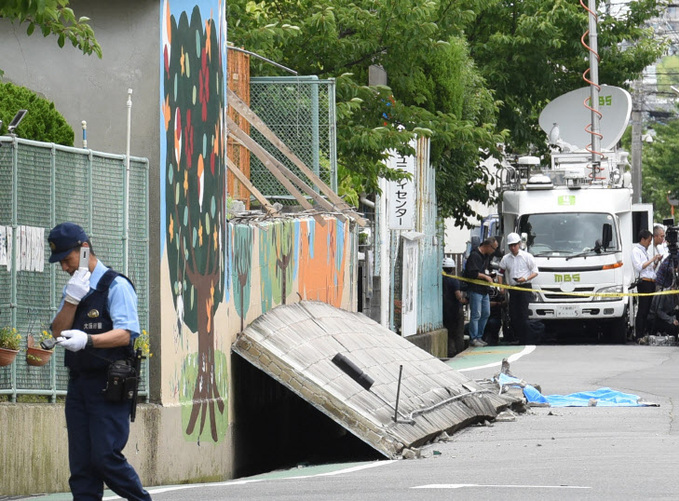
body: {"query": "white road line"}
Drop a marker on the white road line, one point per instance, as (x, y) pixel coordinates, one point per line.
(502, 486)
(512, 358)
(349, 470)
(352, 469)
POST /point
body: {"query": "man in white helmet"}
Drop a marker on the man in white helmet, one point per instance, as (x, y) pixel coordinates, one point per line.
(518, 268)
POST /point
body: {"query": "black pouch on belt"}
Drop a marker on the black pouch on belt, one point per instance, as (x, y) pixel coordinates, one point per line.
(121, 380)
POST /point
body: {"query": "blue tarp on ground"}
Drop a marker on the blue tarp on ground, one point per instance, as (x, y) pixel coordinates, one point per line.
(603, 397)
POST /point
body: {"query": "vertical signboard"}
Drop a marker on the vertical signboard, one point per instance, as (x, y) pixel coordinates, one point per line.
(401, 195)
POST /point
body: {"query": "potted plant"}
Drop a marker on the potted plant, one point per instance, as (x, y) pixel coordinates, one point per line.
(9, 345)
(35, 354)
(143, 342)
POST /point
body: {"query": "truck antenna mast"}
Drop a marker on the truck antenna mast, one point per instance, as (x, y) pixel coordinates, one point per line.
(593, 80)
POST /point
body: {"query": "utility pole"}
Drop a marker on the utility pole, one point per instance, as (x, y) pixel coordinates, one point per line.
(377, 76)
(636, 146)
(595, 128)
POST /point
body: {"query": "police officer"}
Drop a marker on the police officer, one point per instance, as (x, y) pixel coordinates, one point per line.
(97, 323)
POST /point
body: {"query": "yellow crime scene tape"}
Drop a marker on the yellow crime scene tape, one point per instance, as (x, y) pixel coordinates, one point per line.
(575, 294)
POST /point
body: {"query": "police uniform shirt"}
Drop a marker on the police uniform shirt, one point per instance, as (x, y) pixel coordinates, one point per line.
(520, 266)
(122, 301)
(639, 257)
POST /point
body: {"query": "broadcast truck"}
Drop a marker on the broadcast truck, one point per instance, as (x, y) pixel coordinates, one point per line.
(578, 219)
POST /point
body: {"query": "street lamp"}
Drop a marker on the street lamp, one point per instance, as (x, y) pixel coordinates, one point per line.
(16, 121)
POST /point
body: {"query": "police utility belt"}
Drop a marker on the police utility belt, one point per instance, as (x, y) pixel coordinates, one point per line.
(121, 381)
(122, 378)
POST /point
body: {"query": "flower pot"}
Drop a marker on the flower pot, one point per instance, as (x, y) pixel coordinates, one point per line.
(37, 356)
(7, 356)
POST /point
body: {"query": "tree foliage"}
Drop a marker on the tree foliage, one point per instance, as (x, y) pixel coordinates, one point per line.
(659, 169)
(530, 52)
(53, 17)
(469, 75)
(42, 122)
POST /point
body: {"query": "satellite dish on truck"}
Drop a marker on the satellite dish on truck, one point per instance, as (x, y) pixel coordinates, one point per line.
(567, 117)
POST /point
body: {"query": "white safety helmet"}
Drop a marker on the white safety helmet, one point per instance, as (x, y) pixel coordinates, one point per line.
(448, 263)
(513, 238)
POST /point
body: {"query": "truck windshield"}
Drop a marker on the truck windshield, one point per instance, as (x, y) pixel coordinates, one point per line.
(569, 234)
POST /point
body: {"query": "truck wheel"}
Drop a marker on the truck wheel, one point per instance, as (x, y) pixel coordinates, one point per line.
(616, 330)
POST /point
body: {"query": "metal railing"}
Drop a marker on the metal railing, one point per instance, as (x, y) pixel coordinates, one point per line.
(42, 184)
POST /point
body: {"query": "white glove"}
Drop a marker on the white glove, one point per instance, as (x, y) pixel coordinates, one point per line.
(75, 340)
(78, 286)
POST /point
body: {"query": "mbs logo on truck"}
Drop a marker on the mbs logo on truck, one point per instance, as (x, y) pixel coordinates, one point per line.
(566, 277)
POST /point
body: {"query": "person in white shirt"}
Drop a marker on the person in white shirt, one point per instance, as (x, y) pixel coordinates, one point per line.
(518, 268)
(644, 266)
(659, 246)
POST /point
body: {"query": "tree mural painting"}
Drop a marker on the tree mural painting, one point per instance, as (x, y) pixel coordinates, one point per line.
(276, 249)
(322, 261)
(194, 101)
(242, 267)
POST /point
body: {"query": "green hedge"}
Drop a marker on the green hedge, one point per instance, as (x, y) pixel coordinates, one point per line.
(42, 122)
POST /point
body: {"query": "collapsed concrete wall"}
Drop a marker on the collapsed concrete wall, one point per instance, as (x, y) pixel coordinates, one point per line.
(379, 386)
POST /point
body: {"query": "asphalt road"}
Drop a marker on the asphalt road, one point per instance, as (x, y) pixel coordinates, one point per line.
(597, 453)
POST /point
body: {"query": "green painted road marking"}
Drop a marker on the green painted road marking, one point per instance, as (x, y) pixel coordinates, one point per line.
(303, 471)
(488, 356)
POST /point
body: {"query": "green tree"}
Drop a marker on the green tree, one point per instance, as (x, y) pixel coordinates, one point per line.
(434, 87)
(659, 169)
(52, 17)
(530, 52)
(471, 75)
(42, 122)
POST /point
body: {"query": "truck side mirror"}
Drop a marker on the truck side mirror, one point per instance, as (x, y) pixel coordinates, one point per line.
(606, 235)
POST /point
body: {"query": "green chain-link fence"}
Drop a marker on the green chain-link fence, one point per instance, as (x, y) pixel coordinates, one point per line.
(301, 112)
(44, 184)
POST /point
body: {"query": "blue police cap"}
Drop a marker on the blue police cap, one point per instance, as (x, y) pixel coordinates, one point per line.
(64, 238)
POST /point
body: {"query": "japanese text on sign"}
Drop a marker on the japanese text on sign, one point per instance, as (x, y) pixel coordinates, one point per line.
(401, 196)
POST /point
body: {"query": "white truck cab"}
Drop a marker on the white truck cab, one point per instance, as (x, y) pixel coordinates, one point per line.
(580, 224)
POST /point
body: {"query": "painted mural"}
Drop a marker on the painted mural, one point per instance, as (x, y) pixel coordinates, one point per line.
(323, 261)
(193, 102)
(218, 276)
(297, 259)
(277, 260)
(243, 241)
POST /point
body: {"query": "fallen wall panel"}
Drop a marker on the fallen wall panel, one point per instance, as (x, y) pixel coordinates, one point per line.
(296, 345)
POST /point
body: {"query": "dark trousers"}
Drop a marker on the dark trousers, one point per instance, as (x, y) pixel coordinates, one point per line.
(518, 313)
(643, 307)
(491, 334)
(454, 323)
(664, 327)
(97, 433)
